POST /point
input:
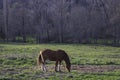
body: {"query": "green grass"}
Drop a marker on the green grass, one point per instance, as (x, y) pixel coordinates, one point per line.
(18, 61)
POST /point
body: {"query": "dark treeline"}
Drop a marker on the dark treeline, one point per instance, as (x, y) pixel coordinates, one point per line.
(60, 21)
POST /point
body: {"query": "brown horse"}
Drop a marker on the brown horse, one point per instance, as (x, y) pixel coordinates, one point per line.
(51, 55)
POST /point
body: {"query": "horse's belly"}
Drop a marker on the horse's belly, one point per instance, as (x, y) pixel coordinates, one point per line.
(52, 59)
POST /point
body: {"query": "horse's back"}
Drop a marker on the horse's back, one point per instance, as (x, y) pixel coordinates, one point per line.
(53, 55)
(48, 54)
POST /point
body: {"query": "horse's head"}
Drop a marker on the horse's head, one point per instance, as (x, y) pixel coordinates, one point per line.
(67, 61)
(68, 66)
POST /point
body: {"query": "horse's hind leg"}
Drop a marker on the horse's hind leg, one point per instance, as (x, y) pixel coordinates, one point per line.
(43, 67)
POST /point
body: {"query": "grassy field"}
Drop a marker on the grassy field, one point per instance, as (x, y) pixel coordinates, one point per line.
(89, 62)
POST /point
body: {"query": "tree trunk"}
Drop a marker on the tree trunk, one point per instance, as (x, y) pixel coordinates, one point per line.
(5, 12)
(23, 29)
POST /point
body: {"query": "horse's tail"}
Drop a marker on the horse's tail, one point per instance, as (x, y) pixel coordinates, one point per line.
(39, 60)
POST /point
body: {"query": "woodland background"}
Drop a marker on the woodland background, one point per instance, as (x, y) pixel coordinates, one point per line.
(60, 21)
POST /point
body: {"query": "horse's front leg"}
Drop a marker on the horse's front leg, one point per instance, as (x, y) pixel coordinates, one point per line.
(59, 64)
(56, 65)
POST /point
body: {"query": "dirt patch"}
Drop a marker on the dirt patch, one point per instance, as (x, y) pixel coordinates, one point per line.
(95, 68)
(35, 72)
(88, 68)
(75, 68)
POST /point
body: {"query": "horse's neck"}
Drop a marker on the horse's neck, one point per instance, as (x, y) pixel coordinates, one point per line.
(67, 61)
